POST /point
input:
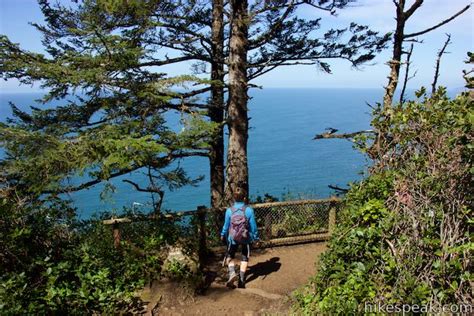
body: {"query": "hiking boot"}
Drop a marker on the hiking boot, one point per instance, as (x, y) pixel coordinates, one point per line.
(241, 284)
(232, 278)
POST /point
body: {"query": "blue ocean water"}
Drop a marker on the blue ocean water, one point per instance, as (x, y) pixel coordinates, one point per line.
(283, 157)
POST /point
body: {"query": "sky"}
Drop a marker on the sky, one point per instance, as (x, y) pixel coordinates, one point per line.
(15, 16)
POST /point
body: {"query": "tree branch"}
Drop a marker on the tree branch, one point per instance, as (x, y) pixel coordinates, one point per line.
(438, 61)
(190, 154)
(88, 184)
(407, 72)
(272, 6)
(168, 61)
(412, 9)
(339, 189)
(104, 43)
(186, 30)
(329, 9)
(188, 94)
(275, 27)
(439, 24)
(328, 135)
(140, 189)
(153, 163)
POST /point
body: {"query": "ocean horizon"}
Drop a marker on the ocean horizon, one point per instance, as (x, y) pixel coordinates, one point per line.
(284, 160)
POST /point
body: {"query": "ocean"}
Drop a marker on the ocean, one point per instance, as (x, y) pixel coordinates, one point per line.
(284, 160)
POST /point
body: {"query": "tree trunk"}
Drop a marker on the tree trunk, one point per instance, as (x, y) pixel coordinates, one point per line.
(216, 108)
(393, 77)
(237, 167)
(395, 62)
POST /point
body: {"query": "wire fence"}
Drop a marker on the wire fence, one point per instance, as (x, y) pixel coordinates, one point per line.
(279, 223)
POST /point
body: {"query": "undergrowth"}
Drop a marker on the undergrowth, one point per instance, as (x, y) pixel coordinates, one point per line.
(405, 235)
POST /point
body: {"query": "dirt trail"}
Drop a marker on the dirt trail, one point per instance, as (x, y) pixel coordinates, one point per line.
(272, 275)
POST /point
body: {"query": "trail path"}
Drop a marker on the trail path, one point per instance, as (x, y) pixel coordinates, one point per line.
(272, 275)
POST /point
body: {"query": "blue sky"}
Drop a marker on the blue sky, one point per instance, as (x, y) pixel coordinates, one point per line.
(379, 14)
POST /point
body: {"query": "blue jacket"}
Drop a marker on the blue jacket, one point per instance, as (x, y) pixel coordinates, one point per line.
(249, 213)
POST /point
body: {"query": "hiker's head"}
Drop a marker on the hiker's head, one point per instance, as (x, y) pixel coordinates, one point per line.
(239, 195)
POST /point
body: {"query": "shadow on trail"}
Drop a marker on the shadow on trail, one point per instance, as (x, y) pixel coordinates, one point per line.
(263, 269)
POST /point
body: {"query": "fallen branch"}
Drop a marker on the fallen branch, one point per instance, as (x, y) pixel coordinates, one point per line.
(329, 134)
(335, 187)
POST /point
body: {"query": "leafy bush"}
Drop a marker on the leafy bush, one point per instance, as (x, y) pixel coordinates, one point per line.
(405, 234)
(51, 263)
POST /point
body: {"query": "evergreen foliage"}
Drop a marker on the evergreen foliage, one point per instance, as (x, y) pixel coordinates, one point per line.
(111, 121)
(102, 62)
(101, 65)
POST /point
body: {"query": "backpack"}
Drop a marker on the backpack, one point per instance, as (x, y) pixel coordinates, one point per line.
(239, 230)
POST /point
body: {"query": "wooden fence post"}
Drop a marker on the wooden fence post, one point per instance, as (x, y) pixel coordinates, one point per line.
(332, 217)
(115, 222)
(201, 213)
(116, 234)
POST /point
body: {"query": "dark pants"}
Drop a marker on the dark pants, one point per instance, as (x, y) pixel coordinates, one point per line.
(245, 251)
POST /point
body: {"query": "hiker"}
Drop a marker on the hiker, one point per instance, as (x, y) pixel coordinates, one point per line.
(241, 229)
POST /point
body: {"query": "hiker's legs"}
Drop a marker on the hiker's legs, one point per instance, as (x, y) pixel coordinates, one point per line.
(244, 264)
(243, 269)
(231, 265)
(230, 257)
(245, 257)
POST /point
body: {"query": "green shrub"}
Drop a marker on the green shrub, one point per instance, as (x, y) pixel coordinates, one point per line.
(52, 264)
(405, 233)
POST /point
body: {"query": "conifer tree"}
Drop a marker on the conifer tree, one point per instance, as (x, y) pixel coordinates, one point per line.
(97, 63)
(111, 51)
(276, 37)
(270, 34)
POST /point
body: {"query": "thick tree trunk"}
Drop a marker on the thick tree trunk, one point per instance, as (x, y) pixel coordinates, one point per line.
(237, 167)
(216, 108)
